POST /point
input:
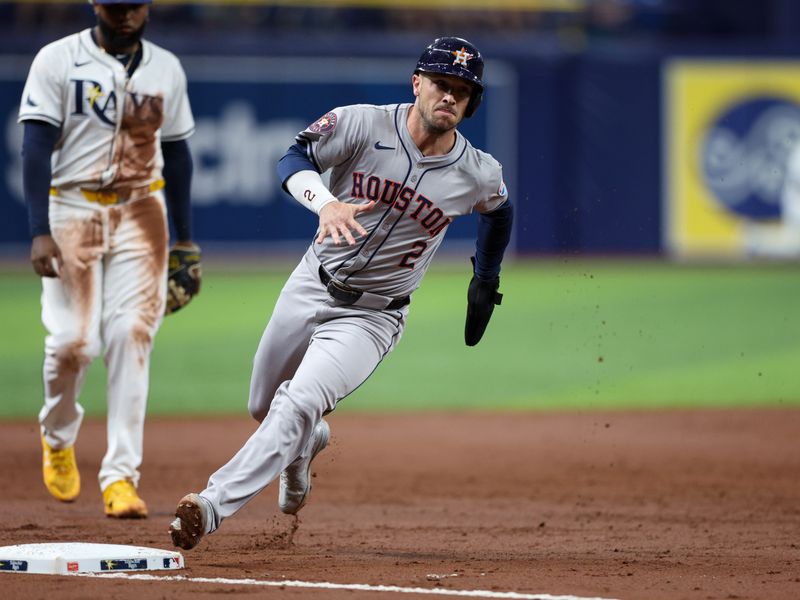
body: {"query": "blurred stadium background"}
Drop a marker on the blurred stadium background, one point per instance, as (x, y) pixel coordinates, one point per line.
(650, 147)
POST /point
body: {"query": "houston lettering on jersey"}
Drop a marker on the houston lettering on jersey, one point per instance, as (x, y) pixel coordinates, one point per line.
(389, 192)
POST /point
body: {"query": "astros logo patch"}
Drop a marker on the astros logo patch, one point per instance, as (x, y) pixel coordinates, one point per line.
(462, 56)
(325, 124)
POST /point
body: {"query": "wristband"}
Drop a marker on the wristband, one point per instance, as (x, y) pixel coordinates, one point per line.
(308, 189)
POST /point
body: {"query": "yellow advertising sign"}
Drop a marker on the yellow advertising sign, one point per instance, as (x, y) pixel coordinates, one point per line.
(731, 129)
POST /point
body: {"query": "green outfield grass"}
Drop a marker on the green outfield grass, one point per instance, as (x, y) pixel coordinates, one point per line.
(570, 335)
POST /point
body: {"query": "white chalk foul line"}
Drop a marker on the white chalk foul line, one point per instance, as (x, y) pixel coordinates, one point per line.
(358, 587)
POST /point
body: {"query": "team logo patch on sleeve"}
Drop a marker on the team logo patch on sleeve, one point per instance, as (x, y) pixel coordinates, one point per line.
(325, 124)
(502, 191)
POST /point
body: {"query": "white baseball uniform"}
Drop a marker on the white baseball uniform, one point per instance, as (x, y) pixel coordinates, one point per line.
(317, 349)
(107, 214)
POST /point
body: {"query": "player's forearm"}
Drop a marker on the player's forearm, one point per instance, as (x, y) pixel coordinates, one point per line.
(494, 233)
(177, 173)
(309, 190)
(39, 139)
(296, 159)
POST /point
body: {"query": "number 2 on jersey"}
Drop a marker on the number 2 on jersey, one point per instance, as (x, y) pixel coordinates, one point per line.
(409, 258)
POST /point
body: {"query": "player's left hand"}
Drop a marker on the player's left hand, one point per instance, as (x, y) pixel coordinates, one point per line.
(482, 296)
(338, 218)
(184, 275)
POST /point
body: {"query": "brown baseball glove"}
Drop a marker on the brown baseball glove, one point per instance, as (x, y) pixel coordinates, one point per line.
(183, 277)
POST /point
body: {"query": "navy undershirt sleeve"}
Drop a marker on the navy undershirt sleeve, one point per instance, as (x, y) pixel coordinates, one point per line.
(296, 159)
(38, 140)
(177, 172)
(494, 233)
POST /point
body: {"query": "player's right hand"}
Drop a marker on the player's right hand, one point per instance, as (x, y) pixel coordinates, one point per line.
(339, 219)
(46, 256)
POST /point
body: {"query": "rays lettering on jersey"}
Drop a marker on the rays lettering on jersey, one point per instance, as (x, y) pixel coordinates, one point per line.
(389, 192)
(90, 95)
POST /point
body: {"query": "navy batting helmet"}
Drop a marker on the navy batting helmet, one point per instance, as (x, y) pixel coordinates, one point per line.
(455, 56)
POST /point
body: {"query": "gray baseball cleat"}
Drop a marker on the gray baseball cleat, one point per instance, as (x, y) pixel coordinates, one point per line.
(296, 478)
(191, 523)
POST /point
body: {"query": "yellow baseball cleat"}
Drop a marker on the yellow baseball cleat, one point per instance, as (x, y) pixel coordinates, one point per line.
(122, 502)
(60, 472)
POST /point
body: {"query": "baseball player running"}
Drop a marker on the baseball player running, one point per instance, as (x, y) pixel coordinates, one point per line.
(400, 174)
(106, 117)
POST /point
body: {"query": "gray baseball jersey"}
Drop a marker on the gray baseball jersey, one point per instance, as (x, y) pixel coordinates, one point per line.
(371, 156)
(316, 349)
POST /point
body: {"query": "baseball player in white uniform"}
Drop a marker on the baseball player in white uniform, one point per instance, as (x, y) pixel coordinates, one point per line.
(399, 175)
(106, 117)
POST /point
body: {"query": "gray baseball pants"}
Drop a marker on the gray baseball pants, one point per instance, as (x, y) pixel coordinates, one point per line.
(313, 353)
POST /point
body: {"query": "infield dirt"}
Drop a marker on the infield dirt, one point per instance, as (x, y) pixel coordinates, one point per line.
(649, 505)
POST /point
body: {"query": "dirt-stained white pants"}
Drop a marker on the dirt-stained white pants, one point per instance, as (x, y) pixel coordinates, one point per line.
(110, 297)
(313, 353)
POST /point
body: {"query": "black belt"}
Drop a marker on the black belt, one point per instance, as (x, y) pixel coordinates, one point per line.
(347, 295)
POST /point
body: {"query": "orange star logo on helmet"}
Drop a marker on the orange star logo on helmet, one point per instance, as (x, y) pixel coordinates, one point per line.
(462, 56)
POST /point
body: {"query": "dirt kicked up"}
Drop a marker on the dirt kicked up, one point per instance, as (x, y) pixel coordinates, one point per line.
(649, 505)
